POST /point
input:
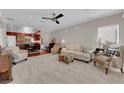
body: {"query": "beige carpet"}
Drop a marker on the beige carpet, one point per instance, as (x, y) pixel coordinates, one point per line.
(46, 69)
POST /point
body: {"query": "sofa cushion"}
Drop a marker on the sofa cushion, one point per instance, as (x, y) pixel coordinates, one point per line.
(68, 47)
(76, 48)
(77, 54)
(65, 51)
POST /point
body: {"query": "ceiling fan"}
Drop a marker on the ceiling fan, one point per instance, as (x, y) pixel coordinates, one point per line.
(54, 18)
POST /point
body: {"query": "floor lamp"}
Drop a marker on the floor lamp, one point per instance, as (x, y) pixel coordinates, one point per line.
(63, 43)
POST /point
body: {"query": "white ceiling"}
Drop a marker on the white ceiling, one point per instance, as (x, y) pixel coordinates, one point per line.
(71, 17)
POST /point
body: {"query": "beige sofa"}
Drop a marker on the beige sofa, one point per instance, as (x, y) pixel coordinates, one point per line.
(78, 52)
(16, 54)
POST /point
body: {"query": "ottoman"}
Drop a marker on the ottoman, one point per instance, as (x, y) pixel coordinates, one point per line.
(68, 59)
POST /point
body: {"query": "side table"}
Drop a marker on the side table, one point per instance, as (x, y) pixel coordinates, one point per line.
(61, 57)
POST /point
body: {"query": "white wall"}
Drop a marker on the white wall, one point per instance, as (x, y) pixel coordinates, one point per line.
(46, 39)
(11, 41)
(2, 31)
(86, 33)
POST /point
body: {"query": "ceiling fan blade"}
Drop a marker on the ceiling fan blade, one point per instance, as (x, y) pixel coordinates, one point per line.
(59, 16)
(47, 18)
(57, 22)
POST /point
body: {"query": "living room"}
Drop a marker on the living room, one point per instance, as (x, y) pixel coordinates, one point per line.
(27, 40)
(81, 51)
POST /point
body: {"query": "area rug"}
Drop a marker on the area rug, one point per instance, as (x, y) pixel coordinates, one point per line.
(46, 69)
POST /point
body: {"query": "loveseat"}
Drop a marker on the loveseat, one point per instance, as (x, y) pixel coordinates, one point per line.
(16, 54)
(78, 52)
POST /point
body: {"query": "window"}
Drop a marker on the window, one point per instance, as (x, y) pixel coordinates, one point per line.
(109, 33)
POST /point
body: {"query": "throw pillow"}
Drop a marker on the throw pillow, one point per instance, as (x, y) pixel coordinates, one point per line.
(112, 52)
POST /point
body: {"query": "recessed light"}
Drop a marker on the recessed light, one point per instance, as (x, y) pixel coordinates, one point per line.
(30, 16)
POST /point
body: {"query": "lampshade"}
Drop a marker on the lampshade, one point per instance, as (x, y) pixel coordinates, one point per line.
(63, 41)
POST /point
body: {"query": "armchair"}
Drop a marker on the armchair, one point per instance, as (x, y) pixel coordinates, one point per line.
(5, 69)
(16, 54)
(108, 62)
(119, 61)
(55, 48)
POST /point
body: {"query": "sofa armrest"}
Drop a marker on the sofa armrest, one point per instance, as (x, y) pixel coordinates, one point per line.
(23, 51)
(89, 51)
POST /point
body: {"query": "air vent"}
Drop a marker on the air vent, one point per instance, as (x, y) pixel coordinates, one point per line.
(9, 27)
